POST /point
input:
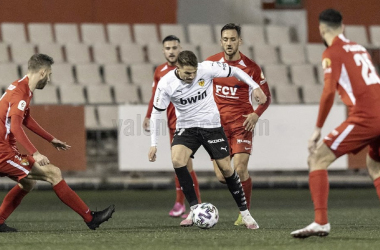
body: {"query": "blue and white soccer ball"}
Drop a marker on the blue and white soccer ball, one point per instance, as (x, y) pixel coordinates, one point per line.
(205, 215)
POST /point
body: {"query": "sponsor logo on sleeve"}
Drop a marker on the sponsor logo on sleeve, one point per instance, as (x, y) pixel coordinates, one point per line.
(21, 105)
(326, 65)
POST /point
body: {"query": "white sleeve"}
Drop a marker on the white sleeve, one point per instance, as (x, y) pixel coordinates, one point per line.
(218, 69)
(154, 126)
(241, 75)
(160, 102)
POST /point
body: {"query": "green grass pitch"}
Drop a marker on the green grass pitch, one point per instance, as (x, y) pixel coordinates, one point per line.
(141, 221)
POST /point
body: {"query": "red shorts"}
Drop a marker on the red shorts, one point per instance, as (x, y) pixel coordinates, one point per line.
(352, 136)
(17, 166)
(239, 139)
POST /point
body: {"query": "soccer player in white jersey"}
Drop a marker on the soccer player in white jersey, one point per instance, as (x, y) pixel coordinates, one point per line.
(189, 88)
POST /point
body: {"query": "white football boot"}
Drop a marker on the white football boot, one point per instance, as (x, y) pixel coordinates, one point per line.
(314, 229)
(249, 221)
(188, 222)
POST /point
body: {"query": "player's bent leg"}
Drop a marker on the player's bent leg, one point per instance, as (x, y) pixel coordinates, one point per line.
(49, 173)
(236, 190)
(180, 157)
(319, 189)
(53, 175)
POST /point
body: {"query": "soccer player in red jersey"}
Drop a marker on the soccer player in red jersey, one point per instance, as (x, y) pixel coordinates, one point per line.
(234, 100)
(26, 169)
(171, 49)
(349, 70)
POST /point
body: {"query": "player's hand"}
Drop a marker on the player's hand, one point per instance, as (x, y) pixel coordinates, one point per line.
(146, 124)
(59, 145)
(259, 96)
(312, 144)
(152, 153)
(40, 159)
(250, 123)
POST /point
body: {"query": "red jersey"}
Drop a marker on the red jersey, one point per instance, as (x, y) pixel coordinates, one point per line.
(349, 70)
(15, 101)
(233, 97)
(160, 71)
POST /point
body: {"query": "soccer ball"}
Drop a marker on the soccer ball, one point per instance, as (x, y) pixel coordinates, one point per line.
(205, 215)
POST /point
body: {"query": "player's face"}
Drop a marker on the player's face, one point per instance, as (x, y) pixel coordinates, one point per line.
(230, 42)
(171, 50)
(187, 73)
(45, 74)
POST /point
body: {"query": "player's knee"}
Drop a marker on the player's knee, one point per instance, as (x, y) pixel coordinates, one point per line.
(54, 174)
(27, 184)
(178, 162)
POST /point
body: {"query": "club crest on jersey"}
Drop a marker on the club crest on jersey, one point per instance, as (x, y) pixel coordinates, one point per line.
(201, 82)
(24, 162)
(21, 105)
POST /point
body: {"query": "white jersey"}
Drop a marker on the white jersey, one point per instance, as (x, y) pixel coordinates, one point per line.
(194, 103)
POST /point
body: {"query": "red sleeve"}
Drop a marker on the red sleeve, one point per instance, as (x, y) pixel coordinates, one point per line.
(331, 67)
(261, 108)
(18, 102)
(154, 87)
(33, 126)
(327, 100)
(260, 79)
(19, 133)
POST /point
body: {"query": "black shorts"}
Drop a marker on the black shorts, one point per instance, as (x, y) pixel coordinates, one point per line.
(214, 140)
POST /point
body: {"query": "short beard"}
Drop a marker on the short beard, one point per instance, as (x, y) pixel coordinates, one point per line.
(41, 83)
(232, 54)
(325, 43)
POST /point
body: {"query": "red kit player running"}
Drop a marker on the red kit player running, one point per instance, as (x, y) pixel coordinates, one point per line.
(26, 169)
(349, 70)
(171, 49)
(234, 100)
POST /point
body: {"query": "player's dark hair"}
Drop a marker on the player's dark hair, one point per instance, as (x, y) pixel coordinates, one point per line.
(38, 61)
(187, 58)
(331, 18)
(231, 26)
(170, 38)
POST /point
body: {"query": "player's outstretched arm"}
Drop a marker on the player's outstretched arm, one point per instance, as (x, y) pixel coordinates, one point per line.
(258, 93)
(36, 128)
(59, 145)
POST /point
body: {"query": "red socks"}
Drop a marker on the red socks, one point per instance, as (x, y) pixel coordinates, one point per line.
(319, 189)
(11, 202)
(71, 199)
(180, 196)
(377, 186)
(247, 188)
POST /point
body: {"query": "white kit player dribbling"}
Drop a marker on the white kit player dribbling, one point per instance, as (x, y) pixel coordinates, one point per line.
(189, 88)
